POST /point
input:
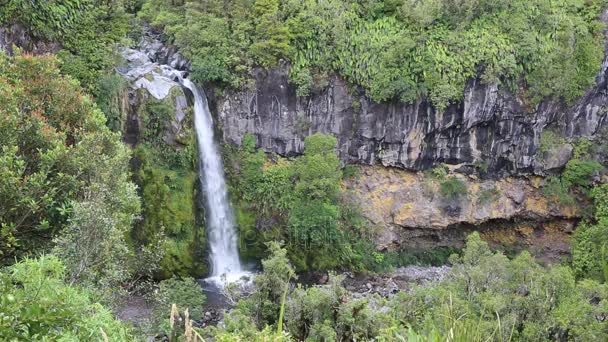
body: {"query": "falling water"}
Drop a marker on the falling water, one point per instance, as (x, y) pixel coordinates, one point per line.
(220, 221)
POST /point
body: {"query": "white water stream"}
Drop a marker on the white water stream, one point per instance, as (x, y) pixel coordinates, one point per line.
(225, 263)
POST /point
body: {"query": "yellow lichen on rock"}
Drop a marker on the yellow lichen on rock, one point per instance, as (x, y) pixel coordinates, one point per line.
(405, 212)
(537, 204)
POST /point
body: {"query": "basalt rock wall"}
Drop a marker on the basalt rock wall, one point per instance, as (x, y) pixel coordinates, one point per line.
(490, 125)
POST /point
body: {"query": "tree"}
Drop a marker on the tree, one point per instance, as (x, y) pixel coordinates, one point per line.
(65, 175)
(36, 304)
(590, 242)
(271, 34)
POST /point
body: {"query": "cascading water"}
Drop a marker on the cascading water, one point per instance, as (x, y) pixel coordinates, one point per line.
(220, 221)
(225, 263)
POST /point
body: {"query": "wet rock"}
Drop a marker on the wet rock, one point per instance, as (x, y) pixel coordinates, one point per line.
(466, 170)
(516, 194)
(159, 82)
(556, 157)
(18, 35)
(389, 284)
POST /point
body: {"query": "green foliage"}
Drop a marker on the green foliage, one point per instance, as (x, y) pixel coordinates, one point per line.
(590, 241)
(271, 35)
(44, 18)
(575, 176)
(484, 297)
(350, 171)
(582, 149)
(300, 202)
(394, 49)
(488, 195)
(168, 178)
(452, 188)
(264, 305)
(488, 290)
(37, 305)
(110, 97)
(550, 140)
(87, 31)
(62, 169)
(317, 172)
(558, 191)
(439, 172)
(481, 166)
(578, 172)
(186, 293)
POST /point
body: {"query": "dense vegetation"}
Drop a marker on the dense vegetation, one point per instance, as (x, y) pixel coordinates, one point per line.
(398, 49)
(87, 31)
(301, 202)
(63, 171)
(167, 176)
(485, 297)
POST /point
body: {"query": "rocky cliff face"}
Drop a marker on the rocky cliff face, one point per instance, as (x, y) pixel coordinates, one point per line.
(18, 35)
(408, 210)
(491, 125)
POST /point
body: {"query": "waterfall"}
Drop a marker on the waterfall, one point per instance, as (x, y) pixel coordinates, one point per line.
(220, 220)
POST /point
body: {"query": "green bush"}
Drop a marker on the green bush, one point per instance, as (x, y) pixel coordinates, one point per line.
(185, 293)
(590, 242)
(46, 19)
(558, 191)
(576, 175)
(485, 296)
(110, 97)
(300, 202)
(550, 140)
(36, 304)
(452, 188)
(350, 171)
(65, 175)
(578, 172)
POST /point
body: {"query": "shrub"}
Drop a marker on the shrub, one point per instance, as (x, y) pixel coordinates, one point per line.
(350, 171)
(558, 191)
(186, 293)
(481, 166)
(452, 188)
(439, 172)
(578, 172)
(589, 244)
(36, 304)
(549, 140)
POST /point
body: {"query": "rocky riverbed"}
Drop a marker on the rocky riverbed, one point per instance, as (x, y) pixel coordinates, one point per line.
(388, 284)
(137, 311)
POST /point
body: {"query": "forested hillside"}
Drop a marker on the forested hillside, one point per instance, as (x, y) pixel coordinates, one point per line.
(107, 227)
(395, 49)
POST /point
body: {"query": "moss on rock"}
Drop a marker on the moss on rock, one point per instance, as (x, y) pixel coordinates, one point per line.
(166, 171)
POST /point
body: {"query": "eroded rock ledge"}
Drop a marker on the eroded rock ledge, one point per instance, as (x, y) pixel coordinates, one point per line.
(409, 211)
